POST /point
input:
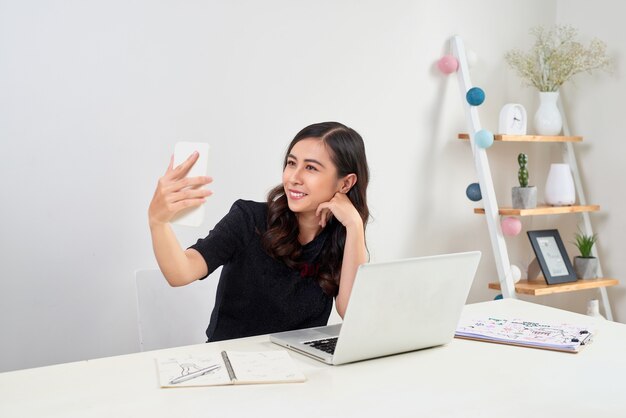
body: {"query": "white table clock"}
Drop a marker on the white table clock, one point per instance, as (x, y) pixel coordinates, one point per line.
(513, 120)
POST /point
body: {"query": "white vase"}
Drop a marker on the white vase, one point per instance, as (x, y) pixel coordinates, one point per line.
(593, 308)
(548, 119)
(559, 189)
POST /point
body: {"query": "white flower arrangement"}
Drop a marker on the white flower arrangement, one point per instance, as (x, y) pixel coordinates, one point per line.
(556, 57)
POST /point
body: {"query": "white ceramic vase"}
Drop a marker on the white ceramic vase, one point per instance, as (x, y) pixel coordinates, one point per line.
(548, 119)
(559, 189)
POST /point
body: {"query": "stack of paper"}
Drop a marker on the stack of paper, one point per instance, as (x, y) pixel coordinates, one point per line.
(560, 337)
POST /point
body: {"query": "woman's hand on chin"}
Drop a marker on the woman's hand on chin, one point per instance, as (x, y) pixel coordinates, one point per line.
(341, 208)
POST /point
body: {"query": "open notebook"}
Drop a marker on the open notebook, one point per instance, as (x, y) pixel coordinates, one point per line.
(228, 368)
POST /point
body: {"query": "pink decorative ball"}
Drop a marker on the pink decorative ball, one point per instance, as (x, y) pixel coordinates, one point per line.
(511, 226)
(448, 64)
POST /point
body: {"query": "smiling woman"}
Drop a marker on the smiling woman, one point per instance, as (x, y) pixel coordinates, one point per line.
(284, 260)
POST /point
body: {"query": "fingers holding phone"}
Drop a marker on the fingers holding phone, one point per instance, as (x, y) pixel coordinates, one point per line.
(180, 193)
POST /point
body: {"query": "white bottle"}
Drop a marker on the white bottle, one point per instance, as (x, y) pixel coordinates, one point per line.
(593, 308)
(559, 190)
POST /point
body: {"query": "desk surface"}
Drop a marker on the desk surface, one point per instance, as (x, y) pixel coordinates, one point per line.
(463, 378)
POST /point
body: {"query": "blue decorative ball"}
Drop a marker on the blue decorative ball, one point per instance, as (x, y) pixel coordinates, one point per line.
(498, 297)
(473, 192)
(483, 138)
(475, 96)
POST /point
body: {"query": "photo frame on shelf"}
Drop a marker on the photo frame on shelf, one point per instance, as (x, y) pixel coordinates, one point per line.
(552, 256)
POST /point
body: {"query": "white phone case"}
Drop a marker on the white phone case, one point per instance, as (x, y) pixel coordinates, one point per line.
(182, 151)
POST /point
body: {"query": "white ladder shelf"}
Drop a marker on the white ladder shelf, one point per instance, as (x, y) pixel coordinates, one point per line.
(491, 210)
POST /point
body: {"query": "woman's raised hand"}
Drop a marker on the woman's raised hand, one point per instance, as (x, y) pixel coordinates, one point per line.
(341, 208)
(175, 191)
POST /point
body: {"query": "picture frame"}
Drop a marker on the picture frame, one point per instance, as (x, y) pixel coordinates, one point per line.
(552, 256)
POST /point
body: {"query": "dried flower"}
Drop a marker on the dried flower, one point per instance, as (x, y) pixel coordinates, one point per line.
(556, 57)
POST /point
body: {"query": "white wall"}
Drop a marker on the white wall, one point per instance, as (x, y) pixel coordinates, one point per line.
(95, 94)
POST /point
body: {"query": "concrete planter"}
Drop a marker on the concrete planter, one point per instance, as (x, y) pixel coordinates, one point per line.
(586, 267)
(524, 197)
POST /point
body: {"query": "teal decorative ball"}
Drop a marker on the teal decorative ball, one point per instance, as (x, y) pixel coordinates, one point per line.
(475, 96)
(498, 297)
(483, 138)
(473, 192)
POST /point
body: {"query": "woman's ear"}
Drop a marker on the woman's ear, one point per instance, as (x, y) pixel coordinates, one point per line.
(347, 182)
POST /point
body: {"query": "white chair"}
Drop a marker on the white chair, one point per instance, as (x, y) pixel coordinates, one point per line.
(334, 317)
(172, 316)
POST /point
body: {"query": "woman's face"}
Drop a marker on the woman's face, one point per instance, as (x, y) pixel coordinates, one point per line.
(310, 176)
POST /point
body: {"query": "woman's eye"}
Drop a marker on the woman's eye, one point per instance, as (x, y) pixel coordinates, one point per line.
(310, 167)
(291, 163)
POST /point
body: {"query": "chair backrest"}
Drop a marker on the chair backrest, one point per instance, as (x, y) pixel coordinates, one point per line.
(334, 317)
(172, 316)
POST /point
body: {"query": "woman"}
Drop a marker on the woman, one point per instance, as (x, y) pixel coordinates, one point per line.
(284, 260)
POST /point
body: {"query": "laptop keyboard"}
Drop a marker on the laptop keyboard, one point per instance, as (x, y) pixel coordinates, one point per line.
(327, 344)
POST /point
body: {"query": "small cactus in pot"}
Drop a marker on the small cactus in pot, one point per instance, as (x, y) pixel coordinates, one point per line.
(522, 174)
(524, 196)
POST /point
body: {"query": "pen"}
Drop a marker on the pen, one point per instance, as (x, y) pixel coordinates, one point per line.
(195, 374)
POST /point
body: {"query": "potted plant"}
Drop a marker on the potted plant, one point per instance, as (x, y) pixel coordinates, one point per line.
(555, 57)
(585, 265)
(524, 196)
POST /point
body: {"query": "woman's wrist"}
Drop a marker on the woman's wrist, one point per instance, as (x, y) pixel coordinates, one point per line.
(156, 224)
(355, 226)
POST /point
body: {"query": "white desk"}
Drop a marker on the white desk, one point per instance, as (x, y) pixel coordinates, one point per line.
(462, 379)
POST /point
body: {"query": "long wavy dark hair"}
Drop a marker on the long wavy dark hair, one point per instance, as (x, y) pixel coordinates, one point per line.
(280, 241)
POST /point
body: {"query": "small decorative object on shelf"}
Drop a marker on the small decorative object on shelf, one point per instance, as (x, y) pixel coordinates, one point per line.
(585, 265)
(559, 190)
(555, 58)
(548, 120)
(512, 119)
(552, 256)
(593, 308)
(524, 196)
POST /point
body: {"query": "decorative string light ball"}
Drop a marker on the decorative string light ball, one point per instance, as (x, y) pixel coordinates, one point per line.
(516, 273)
(483, 138)
(447, 64)
(475, 96)
(473, 192)
(511, 226)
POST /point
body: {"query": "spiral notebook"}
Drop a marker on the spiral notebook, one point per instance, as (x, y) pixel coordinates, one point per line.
(560, 337)
(228, 368)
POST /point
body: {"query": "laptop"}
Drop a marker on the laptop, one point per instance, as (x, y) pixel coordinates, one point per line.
(395, 307)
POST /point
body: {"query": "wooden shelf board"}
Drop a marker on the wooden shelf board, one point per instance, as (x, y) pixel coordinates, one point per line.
(539, 287)
(542, 210)
(530, 138)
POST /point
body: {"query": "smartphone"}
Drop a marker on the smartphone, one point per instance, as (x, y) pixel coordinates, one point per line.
(182, 151)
